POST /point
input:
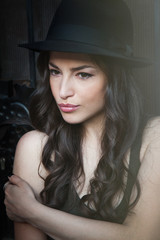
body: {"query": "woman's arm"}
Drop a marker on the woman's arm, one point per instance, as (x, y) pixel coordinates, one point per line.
(26, 231)
(143, 224)
(27, 159)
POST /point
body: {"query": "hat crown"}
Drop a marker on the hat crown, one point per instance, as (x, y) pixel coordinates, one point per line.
(109, 19)
(97, 27)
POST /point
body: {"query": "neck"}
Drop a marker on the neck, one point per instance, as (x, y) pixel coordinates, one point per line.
(92, 142)
(94, 128)
(91, 151)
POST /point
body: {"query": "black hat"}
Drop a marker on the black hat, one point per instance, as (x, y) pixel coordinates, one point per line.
(101, 27)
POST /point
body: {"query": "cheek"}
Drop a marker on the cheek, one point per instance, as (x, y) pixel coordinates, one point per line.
(98, 90)
(95, 94)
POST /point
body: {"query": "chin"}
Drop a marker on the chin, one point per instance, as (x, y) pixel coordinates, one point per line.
(71, 120)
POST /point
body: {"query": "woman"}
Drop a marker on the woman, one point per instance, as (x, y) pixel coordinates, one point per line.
(83, 172)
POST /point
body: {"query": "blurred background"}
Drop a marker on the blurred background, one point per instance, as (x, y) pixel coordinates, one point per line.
(23, 21)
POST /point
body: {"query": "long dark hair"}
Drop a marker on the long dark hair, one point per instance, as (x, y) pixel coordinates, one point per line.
(122, 115)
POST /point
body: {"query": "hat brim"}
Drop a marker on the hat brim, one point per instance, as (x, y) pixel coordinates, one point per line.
(79, 47)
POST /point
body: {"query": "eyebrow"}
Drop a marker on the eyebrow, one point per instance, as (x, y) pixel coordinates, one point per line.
(73, 69)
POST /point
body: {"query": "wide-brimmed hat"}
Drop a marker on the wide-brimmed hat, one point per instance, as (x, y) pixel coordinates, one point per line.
(101, 27)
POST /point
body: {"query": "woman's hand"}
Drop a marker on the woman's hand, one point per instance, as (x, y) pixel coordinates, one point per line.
(19, 197)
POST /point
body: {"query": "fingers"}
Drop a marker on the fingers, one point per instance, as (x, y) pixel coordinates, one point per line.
(5, 185)
(12, 180)
(15, 180)
(8, 190)
(10, 213)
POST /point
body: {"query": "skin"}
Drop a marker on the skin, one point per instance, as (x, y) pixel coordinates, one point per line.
(22, 195)
(85, 87)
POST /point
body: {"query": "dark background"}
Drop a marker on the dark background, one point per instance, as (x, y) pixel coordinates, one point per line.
(26, 20)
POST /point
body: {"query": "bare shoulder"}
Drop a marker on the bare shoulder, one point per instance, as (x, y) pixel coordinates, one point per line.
(32, 139)
(30, 146)
(28, 158)
(152, 129)
(151, 136)
(147, 215)
(150, 152)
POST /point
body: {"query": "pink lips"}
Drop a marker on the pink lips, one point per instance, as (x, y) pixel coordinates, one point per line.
(68, 107)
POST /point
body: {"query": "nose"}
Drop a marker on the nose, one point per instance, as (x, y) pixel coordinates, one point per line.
(66, 88)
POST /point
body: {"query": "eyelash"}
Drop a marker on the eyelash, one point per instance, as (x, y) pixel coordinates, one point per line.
(87, 75)
(55, 72)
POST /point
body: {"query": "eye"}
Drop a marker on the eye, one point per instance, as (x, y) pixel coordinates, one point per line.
(54, 72)
(84, 75)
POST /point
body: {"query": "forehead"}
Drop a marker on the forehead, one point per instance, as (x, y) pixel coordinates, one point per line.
(66, 56)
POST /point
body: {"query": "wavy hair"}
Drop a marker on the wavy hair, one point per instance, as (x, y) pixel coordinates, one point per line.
(122, 115)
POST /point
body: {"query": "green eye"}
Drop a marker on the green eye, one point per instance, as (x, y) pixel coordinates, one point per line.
(84, 75)
(54, 72)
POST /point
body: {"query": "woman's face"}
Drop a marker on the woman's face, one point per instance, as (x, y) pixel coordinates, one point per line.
(78, 86)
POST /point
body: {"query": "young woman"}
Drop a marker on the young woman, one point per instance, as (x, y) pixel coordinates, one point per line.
(90, 169)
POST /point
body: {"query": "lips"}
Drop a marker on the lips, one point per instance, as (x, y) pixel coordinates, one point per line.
(68, 107)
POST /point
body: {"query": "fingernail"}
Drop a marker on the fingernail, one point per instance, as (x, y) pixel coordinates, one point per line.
(10, 175)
